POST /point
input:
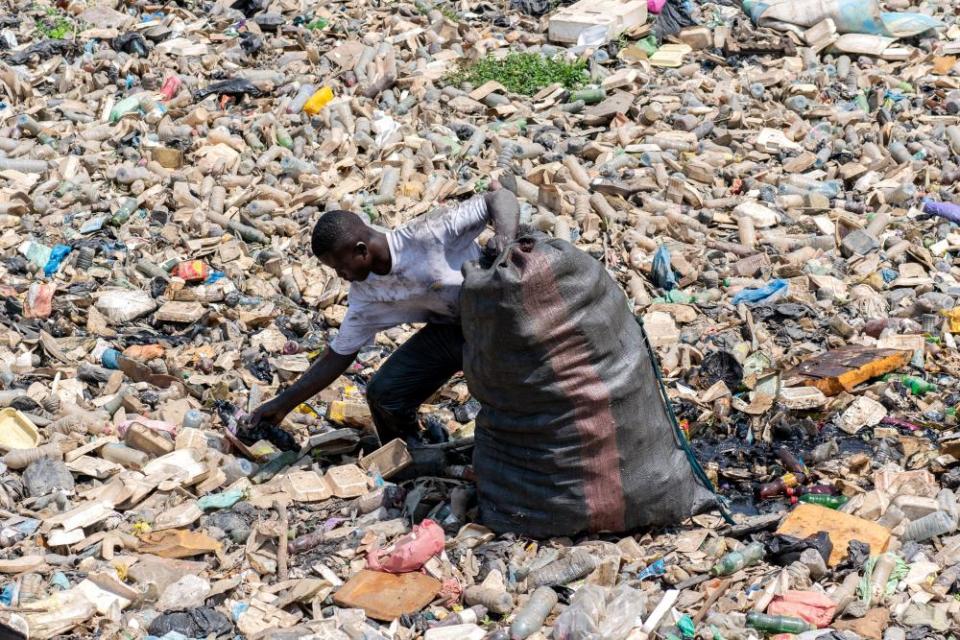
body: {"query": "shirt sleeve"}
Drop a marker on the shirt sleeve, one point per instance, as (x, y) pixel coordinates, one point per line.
(360, 327)
(463, 222)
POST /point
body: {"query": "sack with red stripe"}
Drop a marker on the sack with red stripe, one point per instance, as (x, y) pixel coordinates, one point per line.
(574, 434)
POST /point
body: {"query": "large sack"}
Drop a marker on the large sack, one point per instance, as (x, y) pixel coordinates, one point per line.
(573, 434)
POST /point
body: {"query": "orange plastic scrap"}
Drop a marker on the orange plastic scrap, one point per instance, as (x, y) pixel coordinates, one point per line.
(843, 369)
(177, 543)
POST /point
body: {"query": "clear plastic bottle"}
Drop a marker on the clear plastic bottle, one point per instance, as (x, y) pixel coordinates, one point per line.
(192, 419)
(574, 566)
(931, 525)
(470, 615)
(530, 619)
(23, 165)
(124, 455)
(301, 97)
(879, 577)
(21, 458)
(235, 468)
(499, 602)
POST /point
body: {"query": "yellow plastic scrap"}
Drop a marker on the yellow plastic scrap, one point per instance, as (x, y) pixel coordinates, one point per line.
(953, 315)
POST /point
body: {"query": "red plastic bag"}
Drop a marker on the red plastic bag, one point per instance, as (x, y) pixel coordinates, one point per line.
(410, 552)
(815, 608)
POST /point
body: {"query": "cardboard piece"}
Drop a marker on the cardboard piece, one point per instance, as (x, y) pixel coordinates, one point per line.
(808, 519)
(385, 596)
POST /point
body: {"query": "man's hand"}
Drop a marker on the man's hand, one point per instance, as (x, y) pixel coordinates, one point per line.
(272, 412)
(505, 213)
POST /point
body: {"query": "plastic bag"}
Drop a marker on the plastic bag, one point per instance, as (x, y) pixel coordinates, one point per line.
(43, 50)
(946, 210)
(57, 256)
(783, 550)
(123, 305)
(196, 623)
(674, 16)
(624, 612)
(765, 293)
(581, 620)
(236, 87)
(411, 551)
(132, 43)
(663, 275)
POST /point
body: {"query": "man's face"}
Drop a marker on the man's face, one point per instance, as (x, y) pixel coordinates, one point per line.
(352, 262)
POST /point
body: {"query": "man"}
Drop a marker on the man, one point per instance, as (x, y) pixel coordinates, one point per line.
(409, 275)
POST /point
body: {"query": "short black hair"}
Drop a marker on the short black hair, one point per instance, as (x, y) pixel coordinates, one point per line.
(334, 227)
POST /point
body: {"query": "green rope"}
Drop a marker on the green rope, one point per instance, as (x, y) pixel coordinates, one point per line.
(678, 434)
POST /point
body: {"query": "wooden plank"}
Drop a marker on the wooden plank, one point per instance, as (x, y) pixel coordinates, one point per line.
(843, 369)
(809, 519)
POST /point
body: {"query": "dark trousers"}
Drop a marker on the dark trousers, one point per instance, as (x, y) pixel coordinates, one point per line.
(410, 376)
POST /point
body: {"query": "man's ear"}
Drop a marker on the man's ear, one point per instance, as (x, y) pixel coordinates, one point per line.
(361, 249)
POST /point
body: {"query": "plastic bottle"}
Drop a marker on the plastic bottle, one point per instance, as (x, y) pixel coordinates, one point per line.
(831, 502)
(28, 124)
(530, 619)
(781, 485)
(931, 525)
(791, 462)
(127, 207)
(192, 271)
(777, 624)
(301, 97)
(318, 101)
(110, 358)
(589, 95)
(818, 489)
(573, 567)
(917, 386)
(386, 496)
(21, 458)
(124, 455)
(192, 419)
(23, 165)
(879, 577)
(235, 468)
(125, 106)
(499, 602)
(736, 560)
(470, 615)
(85, 258)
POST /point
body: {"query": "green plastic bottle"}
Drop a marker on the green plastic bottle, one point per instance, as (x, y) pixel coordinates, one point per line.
(736, 560)
(283, 137)
(125, 106)
(917, 386)
(778, 624)
(590, 95)
(831, 502)
(127, 207)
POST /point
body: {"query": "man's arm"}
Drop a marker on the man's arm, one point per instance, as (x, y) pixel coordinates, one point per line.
(504, 212)
(319, 376)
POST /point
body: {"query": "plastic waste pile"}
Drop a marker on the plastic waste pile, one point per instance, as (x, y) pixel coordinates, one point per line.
(774, 185)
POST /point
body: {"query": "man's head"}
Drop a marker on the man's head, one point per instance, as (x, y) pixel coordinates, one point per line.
(341, 241)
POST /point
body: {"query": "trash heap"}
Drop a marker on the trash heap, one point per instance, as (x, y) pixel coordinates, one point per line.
(774, 185)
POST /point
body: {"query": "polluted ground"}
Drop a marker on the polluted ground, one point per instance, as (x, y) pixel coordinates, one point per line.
(709, 390)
